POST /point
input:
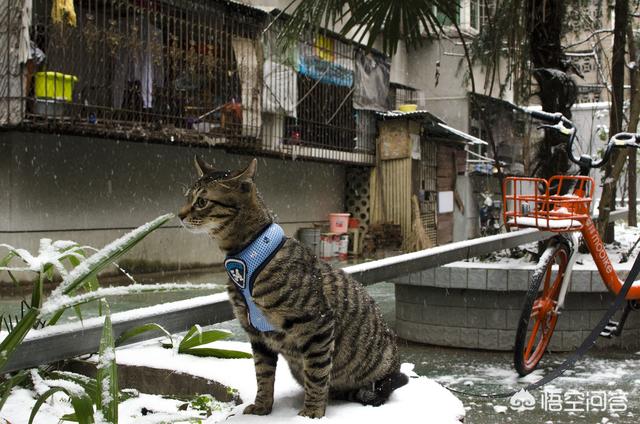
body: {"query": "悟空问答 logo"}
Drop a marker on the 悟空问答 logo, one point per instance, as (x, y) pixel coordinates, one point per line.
(522, 401)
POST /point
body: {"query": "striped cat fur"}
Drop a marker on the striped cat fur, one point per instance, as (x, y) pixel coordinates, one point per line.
(329, 330)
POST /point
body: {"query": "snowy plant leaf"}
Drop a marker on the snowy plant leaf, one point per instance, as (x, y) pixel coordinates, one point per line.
(66, 301)
(48, 271)
(107, 373)
(5, 261)
(88, 384)
(81, 402)
(152, 326)
(76, 278)
(202, 338)
(7, 385)
(217, 353)
(105, 256)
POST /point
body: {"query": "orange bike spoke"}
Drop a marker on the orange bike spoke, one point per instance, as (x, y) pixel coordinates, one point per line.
(532, 339)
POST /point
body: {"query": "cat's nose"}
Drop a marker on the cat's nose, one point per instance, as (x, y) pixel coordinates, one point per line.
(183, 213)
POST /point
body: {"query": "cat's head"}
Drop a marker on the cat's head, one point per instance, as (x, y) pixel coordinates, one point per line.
(217, 198)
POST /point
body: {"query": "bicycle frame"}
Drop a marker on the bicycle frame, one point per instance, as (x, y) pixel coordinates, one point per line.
(603, 263)
(567, 275)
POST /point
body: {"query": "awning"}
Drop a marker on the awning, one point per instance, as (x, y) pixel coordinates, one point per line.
(433, 126)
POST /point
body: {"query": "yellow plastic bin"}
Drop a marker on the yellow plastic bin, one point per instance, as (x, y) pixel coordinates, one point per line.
(408, 107)
(55, 85)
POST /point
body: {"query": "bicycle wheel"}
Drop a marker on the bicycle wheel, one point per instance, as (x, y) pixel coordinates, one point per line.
(539, 315)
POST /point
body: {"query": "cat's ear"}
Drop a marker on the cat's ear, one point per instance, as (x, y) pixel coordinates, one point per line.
(201, 166)
(250, 172)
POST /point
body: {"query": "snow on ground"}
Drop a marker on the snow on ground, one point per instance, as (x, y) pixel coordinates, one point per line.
(18, 408)
(422, 400)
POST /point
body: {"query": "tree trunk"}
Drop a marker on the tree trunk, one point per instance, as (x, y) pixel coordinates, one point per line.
(634, 115)
(556, 90)
(614, 167)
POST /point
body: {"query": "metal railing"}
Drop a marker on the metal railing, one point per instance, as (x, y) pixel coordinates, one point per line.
(196, 72)
(69, 340)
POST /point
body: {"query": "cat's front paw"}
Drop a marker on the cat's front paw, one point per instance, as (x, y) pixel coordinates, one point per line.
(312, 412)
(254, 409)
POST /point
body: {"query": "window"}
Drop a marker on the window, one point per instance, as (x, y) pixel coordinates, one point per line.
(480, 13)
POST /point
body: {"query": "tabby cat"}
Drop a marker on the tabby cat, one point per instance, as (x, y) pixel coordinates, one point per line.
(324, 324)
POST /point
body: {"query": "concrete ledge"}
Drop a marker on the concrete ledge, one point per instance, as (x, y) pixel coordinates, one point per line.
(484, 315)
(161, 381)
(496, 277)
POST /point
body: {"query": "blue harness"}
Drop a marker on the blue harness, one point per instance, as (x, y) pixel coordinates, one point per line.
(244, 267)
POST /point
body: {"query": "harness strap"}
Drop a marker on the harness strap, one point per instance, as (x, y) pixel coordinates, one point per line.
(245, 266)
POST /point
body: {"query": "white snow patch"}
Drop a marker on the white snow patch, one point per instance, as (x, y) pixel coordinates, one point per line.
(421, 397)
(59, 302)
(625, 235)
(500, 409)
(73, 388)
(19, 404)
(42, 385)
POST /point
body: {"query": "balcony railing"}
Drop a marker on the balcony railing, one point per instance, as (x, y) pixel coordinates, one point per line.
(180, 71)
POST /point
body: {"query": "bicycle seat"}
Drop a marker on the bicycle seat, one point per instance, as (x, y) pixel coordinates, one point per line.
(544, 223)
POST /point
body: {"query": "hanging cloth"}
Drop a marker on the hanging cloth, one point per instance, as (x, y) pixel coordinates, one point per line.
(63, 10)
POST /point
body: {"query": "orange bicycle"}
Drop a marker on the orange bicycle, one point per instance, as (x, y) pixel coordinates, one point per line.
(561, 205)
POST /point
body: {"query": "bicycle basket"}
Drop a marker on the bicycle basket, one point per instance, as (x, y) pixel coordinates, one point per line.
(536, 202)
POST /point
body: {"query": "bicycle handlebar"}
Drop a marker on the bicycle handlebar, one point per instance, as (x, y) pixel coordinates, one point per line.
(552, 118)
(625, 139)
(563, 125)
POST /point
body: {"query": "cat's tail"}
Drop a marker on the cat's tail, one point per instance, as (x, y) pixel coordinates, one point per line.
(391, 382)
(377, 394)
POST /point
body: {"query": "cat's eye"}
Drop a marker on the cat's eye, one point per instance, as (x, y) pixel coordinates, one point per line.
(201, 203)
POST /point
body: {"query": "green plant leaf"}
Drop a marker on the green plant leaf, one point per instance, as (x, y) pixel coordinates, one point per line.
(38, 290)
(82, 405)
(217, 353)
(7, 258)
(48, 271)
(17, 335)
(13, 278)
(78, 312)
(202, 338)
(107, 373)
(191, 332)
(152, 326)
(107, 376)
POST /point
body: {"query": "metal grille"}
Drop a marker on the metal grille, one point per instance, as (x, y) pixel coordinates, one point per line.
(181, 72)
